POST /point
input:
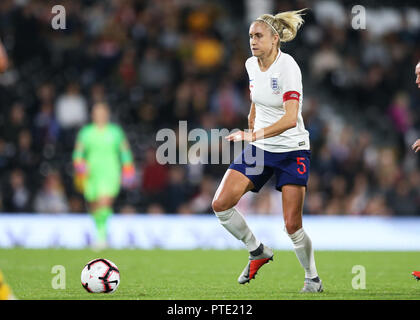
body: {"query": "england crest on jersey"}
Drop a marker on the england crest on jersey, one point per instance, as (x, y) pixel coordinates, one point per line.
(275, 85)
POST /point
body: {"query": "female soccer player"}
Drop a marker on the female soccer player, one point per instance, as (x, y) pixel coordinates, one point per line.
(101, 150)
(276, 130)
(416, 144)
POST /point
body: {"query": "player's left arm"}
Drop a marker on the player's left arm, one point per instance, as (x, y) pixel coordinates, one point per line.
(286, 122)
(128, 168)
(4, 61)
(416, 146)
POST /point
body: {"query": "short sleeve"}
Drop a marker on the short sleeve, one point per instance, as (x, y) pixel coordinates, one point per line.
(248, 67)
(292, 80)
(81, 144)
(119, 133)
(81, 136)
(248, 70)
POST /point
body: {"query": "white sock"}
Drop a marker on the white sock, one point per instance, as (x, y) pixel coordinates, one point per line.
(304, 252)
(234, 222)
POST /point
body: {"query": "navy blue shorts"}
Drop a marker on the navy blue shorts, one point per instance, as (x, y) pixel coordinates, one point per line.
(288, 167)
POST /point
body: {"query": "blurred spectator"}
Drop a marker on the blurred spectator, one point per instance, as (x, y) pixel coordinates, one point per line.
(201, 203)
(97, 94)
(155, 208)
(6, 154)
(262, 203)
(76, 204)
(154, 176)
(71, 112)
(400, 114)
(313, 123)
(403, 199)
(325, 61)
(359, 195)
(377, 206)
(26, 158)
(154, 72)
(314, 203)
(128, 209)
(127, 69)
(178, 190)
(71, 108)
(51, 198)
(16, 196)
(46, 127)
(46, 94)
(227, 104)
(17, 122)
(185, 209)
(108, 47)
(207, 53)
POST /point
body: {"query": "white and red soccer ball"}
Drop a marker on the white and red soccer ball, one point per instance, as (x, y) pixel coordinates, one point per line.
(100, 276)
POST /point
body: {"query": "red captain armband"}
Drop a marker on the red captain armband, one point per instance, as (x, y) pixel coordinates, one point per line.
(291, 95)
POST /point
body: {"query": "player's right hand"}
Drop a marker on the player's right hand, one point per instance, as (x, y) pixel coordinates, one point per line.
(79, 182)
(80, 175)
(416, 145)
(80, 167)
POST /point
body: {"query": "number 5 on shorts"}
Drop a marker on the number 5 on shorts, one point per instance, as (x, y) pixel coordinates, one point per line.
(302, 169)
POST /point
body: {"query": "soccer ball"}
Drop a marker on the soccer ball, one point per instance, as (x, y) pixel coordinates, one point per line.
(100, 276)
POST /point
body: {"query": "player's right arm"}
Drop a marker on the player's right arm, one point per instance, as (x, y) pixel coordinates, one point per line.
(79, 149)
(416, 146)
(4, 62)
(251, 117)
(79, 162)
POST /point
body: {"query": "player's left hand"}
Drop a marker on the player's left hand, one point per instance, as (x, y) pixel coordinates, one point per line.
(416, 145)
(129, 176)
(241, 136)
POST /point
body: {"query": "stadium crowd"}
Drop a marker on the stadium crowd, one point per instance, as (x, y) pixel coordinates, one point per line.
(160, 62)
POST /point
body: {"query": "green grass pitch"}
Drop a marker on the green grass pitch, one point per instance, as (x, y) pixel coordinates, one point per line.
(211, 274)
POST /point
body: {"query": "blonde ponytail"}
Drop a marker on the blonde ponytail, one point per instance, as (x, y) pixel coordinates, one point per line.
(284, 24)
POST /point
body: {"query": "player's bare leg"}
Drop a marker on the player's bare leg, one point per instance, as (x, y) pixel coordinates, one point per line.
(233, 186)
(293, 198)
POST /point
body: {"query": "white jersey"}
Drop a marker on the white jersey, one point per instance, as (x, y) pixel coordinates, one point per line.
(269, 89)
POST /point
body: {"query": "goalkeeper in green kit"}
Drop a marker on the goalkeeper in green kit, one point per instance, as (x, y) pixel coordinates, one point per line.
(102, 160)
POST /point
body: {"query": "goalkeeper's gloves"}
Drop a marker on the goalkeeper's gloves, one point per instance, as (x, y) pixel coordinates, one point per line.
(128, 176)
(80, 175)
(80, 167)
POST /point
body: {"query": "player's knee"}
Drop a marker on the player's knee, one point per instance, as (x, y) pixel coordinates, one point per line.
(292, 226)
(104, 202)
(221, 204)
(218, 205)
